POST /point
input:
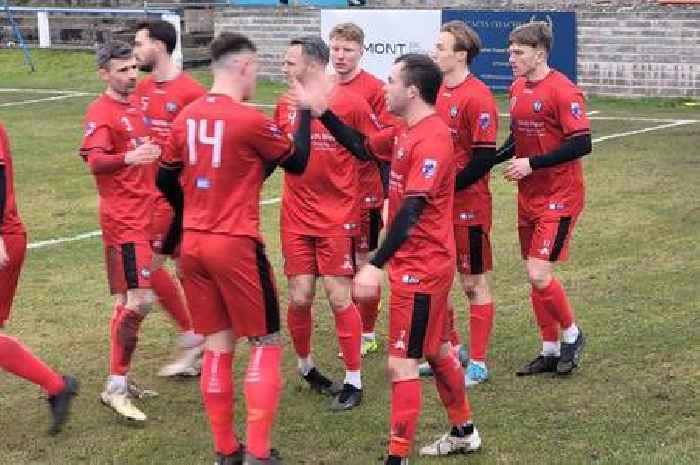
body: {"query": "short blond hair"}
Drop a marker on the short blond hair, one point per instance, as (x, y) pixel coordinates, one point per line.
(466, 38)
(348, 31)
(535, 34)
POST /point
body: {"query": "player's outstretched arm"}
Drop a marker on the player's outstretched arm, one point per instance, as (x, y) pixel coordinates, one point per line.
(506, 151)
(168, 183)
(573, 148)
(348, 137)
(481, 163)
(297, 161)
(407, 217)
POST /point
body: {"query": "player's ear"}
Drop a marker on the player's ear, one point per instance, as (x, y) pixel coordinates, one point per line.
(103, 73)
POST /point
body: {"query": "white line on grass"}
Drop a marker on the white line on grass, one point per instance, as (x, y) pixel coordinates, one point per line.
(42, 91)
(88, 235)
(640, 131)
(39, 100)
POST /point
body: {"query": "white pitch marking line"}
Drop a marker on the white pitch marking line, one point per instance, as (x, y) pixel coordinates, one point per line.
(42, 91)
(640, 131)
(88, 235)
(39, 100)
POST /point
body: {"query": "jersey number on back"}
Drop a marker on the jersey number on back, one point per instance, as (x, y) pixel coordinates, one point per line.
(198, 134)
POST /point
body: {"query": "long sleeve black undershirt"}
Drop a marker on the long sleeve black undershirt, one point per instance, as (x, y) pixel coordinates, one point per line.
(480, 164)
(505, 151)
(297, 161)
(407, 217)
(571, 149)
(354, 141)
(168, 182)
(3, 193)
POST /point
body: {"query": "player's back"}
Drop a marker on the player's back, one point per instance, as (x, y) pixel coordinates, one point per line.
(221, 141)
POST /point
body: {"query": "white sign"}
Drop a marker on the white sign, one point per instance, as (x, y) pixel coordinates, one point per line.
(42, 20)
(388, 33)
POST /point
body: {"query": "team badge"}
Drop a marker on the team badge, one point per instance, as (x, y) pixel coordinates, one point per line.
(274, 130)
(537, 106)
(90, 128)
(429, 168)
(484, 120)
(576, 111)
(171, 107)
(127, 124)
(400, 153)
(453, 111)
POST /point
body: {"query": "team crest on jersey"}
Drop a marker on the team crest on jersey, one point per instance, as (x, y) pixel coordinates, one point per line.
(576, 111)
(127, 124)
(429, 168)
(400, 153)
(171, 107)
(453, 111)
(90, 128)
(274, 130)
(484, 120)
(537, 106)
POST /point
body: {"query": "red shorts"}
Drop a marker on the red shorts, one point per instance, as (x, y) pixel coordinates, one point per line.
(161, 219)
(547, 239)
(229, 284)
(16, 245)
(473, 245)
(418, 322)
(320, 256)
(128, 266)
(370, 227)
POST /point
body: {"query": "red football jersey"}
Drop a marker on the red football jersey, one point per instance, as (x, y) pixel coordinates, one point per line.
(543, 115)
(11, 222)
(325, 200)
(371, 89)
(424, 165)
(222, 145)
(470, 111)
(126, 195)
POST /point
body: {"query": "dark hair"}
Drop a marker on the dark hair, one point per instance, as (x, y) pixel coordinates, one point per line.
(422, 72)
(111, 50)
(466, 38)
(313, 47)
(535, 34)
(160, 30)
(230, 42)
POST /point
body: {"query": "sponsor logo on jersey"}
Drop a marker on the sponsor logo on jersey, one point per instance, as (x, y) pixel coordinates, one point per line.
(576, 111)
(537, 106)
(429, 168)
(171, 107)
(484, 120)
(453, 111)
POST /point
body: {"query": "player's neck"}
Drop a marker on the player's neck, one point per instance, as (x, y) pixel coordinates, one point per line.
(456, 76)
(114, 95)
(228, 89)
(347, 77)
(418, 111)
(538, 73)
(165, 70)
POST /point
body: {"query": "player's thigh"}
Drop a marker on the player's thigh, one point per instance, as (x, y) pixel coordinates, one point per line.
(551, 238)
(417, 322)
(299, 253)
(128, 266)
(474, 253)
(16, 246)
(336, 256)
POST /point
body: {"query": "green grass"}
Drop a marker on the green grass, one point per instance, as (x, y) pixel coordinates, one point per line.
(632, 280)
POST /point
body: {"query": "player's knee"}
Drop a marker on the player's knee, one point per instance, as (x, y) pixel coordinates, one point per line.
(399, 369)
(273, 339)
(221, 341)
(301, 298)
(539, 277)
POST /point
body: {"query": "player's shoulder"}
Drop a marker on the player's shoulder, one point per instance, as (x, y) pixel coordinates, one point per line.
(186, 79)
(144, 84)
(100, 110)
(561, 84)
(346, 100)
(432, 132)
(371, 81)
(517, 85)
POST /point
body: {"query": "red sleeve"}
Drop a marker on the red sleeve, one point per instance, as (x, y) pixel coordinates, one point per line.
(481, 116)
(430, 160)
(101, 162)
(98, 136)
(268, 139)
(572, 111)
(4, 145)
(172, 155)
(382, 143)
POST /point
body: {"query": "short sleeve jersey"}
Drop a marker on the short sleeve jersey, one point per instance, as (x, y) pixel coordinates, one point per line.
(371, 89)
(325, 200)
(222, 146)
(543, 115)
(423, 165)
(11, 222)
(126, 195)
(470, 111)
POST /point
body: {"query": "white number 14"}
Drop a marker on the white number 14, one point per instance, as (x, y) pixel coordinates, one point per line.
(202, 137)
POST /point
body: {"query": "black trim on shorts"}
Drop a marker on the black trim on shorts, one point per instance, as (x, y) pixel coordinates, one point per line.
(476, 249)
(130, 265)
(375, 226)
(353, 251)
(272, 307)
(562, 233)
(419, 325)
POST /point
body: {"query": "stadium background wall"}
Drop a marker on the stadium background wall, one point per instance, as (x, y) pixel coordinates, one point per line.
(627, 48)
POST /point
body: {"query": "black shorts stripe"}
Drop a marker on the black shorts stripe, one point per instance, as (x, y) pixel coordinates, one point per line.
(353, 250)
(562, 233)
(272, 308)
(419, 325)
(476, 249)
(130, 266)
(375, 226)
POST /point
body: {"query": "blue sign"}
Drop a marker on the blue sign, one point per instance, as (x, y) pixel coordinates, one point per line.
(491, 65)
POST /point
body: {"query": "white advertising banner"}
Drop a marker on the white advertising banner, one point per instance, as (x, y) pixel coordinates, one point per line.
(388, 33)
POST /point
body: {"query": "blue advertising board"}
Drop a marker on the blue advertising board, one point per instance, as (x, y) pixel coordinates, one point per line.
(494, 27)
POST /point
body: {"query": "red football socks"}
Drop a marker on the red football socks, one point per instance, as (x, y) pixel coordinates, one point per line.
(549, 328)
(348, 326)
(216, 385)
(18, 360)
(554, 299)
(263, 387)
(124, 335)
(171, 298)
(480, 326)
(405, 410)
(449, 379)
(299, 323)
